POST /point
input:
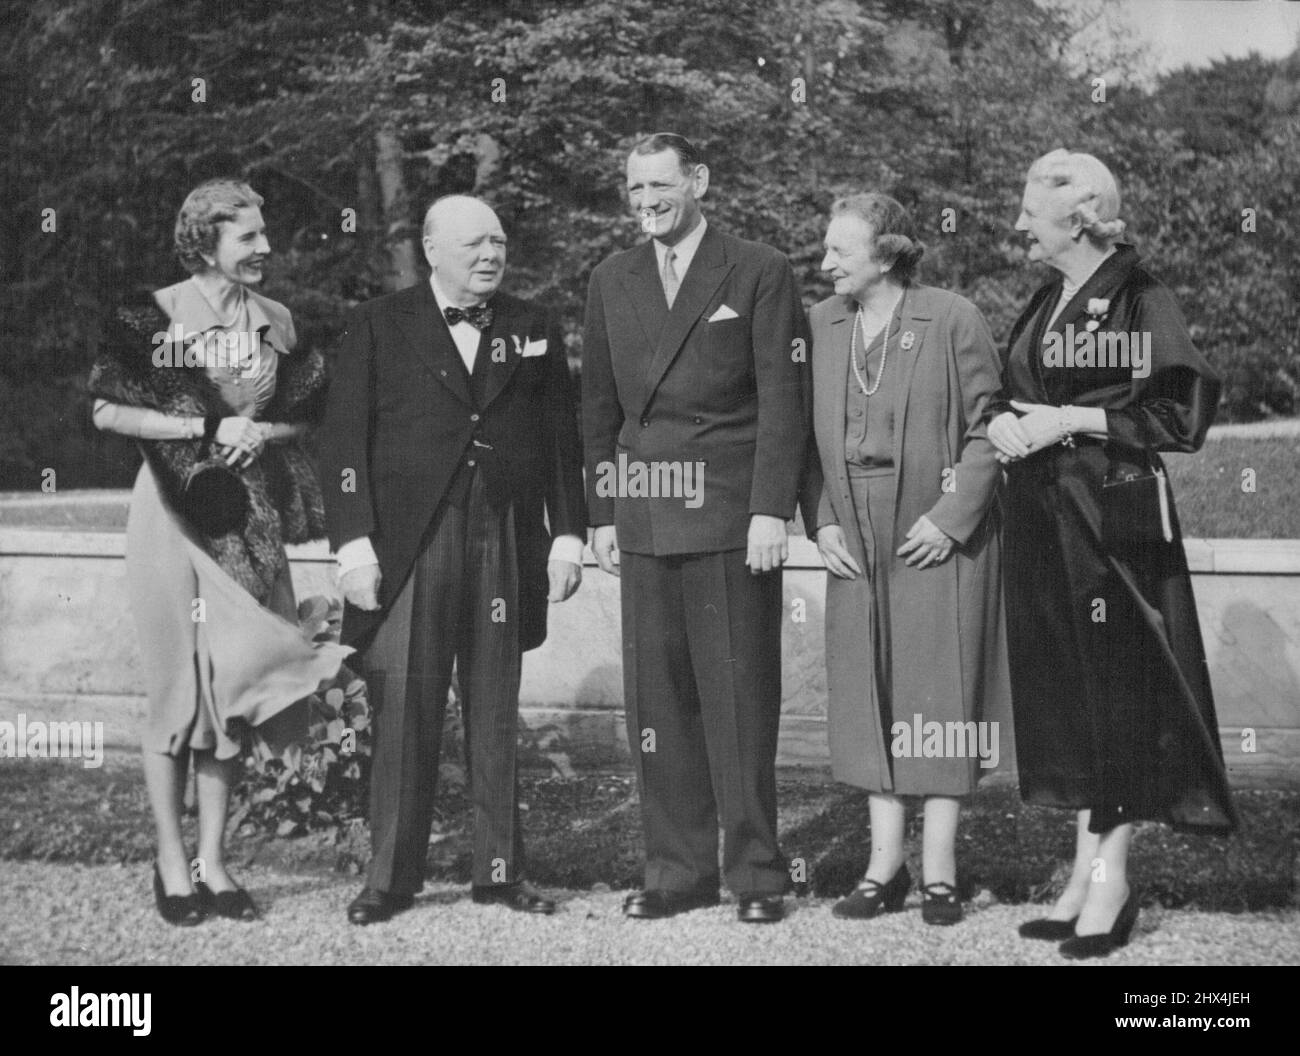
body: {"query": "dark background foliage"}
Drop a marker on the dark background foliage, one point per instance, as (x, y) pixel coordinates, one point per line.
(380, 106)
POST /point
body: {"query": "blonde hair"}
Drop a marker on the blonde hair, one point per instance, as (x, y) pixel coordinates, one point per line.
(1083, 188)
(198, 225)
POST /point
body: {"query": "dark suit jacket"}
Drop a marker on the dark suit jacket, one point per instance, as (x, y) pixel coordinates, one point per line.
(661, 386)
(404, 414)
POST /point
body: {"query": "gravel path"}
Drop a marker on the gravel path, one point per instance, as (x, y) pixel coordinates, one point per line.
(75, 914)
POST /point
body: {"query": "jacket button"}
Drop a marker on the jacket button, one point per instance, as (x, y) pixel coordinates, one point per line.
(470, 462)
(645, 422)
(699, 420)
(473, 417)
(443, 373)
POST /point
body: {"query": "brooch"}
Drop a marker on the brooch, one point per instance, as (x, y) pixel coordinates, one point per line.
(907, 341)
(1097, 309)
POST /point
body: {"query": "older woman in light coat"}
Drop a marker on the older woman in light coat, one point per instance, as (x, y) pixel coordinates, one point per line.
(901, 498)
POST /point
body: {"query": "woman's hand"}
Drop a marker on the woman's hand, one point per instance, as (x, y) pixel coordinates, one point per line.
(1040, 423)
(926, 545)
(835, 552)
(1006, 434)
(242, 440)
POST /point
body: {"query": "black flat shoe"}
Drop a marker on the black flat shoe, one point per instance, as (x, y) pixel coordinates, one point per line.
(655, 905)
(873, 898)
(233, 905)
(182, 910)
(374, 907)
(942, 905)
(766, 909)
(1104, 943)
(1052, 930)
(521, 897)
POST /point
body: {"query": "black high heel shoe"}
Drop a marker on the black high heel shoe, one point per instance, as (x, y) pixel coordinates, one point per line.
(1052, 930)
(941, 905)
(1106, 942)
(873, 898)
(182, 910)
(233, 905)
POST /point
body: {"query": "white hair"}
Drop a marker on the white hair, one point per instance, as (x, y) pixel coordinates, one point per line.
(1082, 187)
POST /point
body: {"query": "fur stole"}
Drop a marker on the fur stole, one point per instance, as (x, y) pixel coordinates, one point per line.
(285, 504)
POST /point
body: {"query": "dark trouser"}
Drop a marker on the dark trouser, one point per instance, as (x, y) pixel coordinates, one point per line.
(459, 605)
(702, 688)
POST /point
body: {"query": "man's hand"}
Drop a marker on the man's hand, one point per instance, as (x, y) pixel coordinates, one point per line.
(768, 547)
(361, 587)
(604, 544)
(565, 578)
(926, 545)
(835, 552)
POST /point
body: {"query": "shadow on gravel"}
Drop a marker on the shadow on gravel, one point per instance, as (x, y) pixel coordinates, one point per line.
(585, 831)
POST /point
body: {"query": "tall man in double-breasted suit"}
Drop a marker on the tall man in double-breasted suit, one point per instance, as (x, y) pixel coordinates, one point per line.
(453, 486)
(694, 431)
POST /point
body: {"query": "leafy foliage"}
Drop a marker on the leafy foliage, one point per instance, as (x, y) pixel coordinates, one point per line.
(377, 107)
(323, 783)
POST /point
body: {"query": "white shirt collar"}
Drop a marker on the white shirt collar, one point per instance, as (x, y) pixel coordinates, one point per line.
(685, 249)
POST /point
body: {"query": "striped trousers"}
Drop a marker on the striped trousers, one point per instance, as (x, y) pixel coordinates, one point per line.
(460, 606)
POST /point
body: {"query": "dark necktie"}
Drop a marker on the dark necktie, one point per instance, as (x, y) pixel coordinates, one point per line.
(479, 316)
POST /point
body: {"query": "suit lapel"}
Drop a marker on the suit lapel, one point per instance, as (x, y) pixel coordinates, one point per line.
(709, 267)
(426, 333)
(833, 370)
(915, 315)
(498, 357)
(1102, 283)
(646, 292)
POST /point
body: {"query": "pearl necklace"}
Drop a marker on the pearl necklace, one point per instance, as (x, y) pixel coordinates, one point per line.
(853, 352)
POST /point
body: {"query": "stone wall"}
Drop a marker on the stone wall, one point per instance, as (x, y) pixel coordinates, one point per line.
(68, 649)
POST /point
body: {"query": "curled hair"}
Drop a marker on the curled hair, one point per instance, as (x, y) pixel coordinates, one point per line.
(1084, 190)
(687, 155)
(893, 233)
(205, 209)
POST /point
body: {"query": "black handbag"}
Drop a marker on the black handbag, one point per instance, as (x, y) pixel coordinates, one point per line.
(1135, 509)
(214, 499)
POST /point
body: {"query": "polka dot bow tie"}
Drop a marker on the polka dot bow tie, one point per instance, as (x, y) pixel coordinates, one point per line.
(480, 316)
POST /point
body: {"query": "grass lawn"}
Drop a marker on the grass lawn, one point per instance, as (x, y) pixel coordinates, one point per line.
(1208, 489)
(585, 833)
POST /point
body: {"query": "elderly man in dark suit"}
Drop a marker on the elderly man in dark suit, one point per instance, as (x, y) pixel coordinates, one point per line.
(453, 487)
(694, 426)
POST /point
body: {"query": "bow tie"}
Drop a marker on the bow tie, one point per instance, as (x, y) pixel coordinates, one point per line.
(479, 316)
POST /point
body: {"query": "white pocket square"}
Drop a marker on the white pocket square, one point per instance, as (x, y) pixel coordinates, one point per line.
(723, 313)
(531, 347)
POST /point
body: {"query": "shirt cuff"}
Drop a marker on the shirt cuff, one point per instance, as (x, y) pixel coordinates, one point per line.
(565, 548)
(355, 554)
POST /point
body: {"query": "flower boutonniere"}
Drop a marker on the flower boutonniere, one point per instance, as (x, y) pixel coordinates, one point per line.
(1097, 309)
(907, 341)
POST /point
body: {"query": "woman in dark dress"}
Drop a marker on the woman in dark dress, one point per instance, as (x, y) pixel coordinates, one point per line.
(1114, 715)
